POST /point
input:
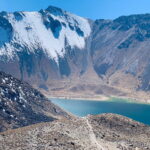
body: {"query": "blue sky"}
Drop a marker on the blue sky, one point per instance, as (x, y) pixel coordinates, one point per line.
(94, 9)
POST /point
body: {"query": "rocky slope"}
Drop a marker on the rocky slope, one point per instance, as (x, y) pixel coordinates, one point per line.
(66, 55)
(21, 105)
(120, 51)
(102, 132)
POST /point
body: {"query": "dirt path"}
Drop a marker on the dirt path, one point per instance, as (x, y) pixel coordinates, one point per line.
(93, 137)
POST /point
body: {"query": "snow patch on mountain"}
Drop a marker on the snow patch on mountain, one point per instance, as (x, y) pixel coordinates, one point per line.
(31, 33)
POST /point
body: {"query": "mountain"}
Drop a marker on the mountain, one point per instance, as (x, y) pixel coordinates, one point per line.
(21, 105)
(41, 41)
(120, 51)
(102, 132)
(64, 55)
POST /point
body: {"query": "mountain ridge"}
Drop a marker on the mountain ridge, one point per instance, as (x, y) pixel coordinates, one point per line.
(72, 53)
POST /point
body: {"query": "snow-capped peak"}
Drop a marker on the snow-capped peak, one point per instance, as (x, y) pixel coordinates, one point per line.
(47, 30)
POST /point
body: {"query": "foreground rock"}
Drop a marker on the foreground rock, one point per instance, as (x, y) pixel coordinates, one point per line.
(102, 132)
(21, 105)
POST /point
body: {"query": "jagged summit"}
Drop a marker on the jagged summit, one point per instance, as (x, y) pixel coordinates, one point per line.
(55, 11)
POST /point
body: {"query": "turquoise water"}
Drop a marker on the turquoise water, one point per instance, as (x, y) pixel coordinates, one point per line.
(139, 112)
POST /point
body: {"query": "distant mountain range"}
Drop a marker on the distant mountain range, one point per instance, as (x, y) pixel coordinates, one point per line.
(66, 55)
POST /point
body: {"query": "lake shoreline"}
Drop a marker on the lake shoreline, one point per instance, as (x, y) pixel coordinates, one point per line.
(124, 107)
(105, 98)
(82, 98)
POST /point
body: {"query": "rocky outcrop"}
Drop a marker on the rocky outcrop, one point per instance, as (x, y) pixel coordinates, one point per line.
(102, 132)
(21, 105)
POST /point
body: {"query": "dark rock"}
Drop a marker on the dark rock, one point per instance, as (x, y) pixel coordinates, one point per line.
(21, 105)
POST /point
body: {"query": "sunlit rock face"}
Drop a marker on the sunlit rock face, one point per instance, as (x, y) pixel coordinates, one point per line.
(122, 46)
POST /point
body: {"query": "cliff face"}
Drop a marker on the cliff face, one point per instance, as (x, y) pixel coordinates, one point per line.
(21, 105)
(59, 52)
(43, 45)
(121, 47)
(103, 132)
